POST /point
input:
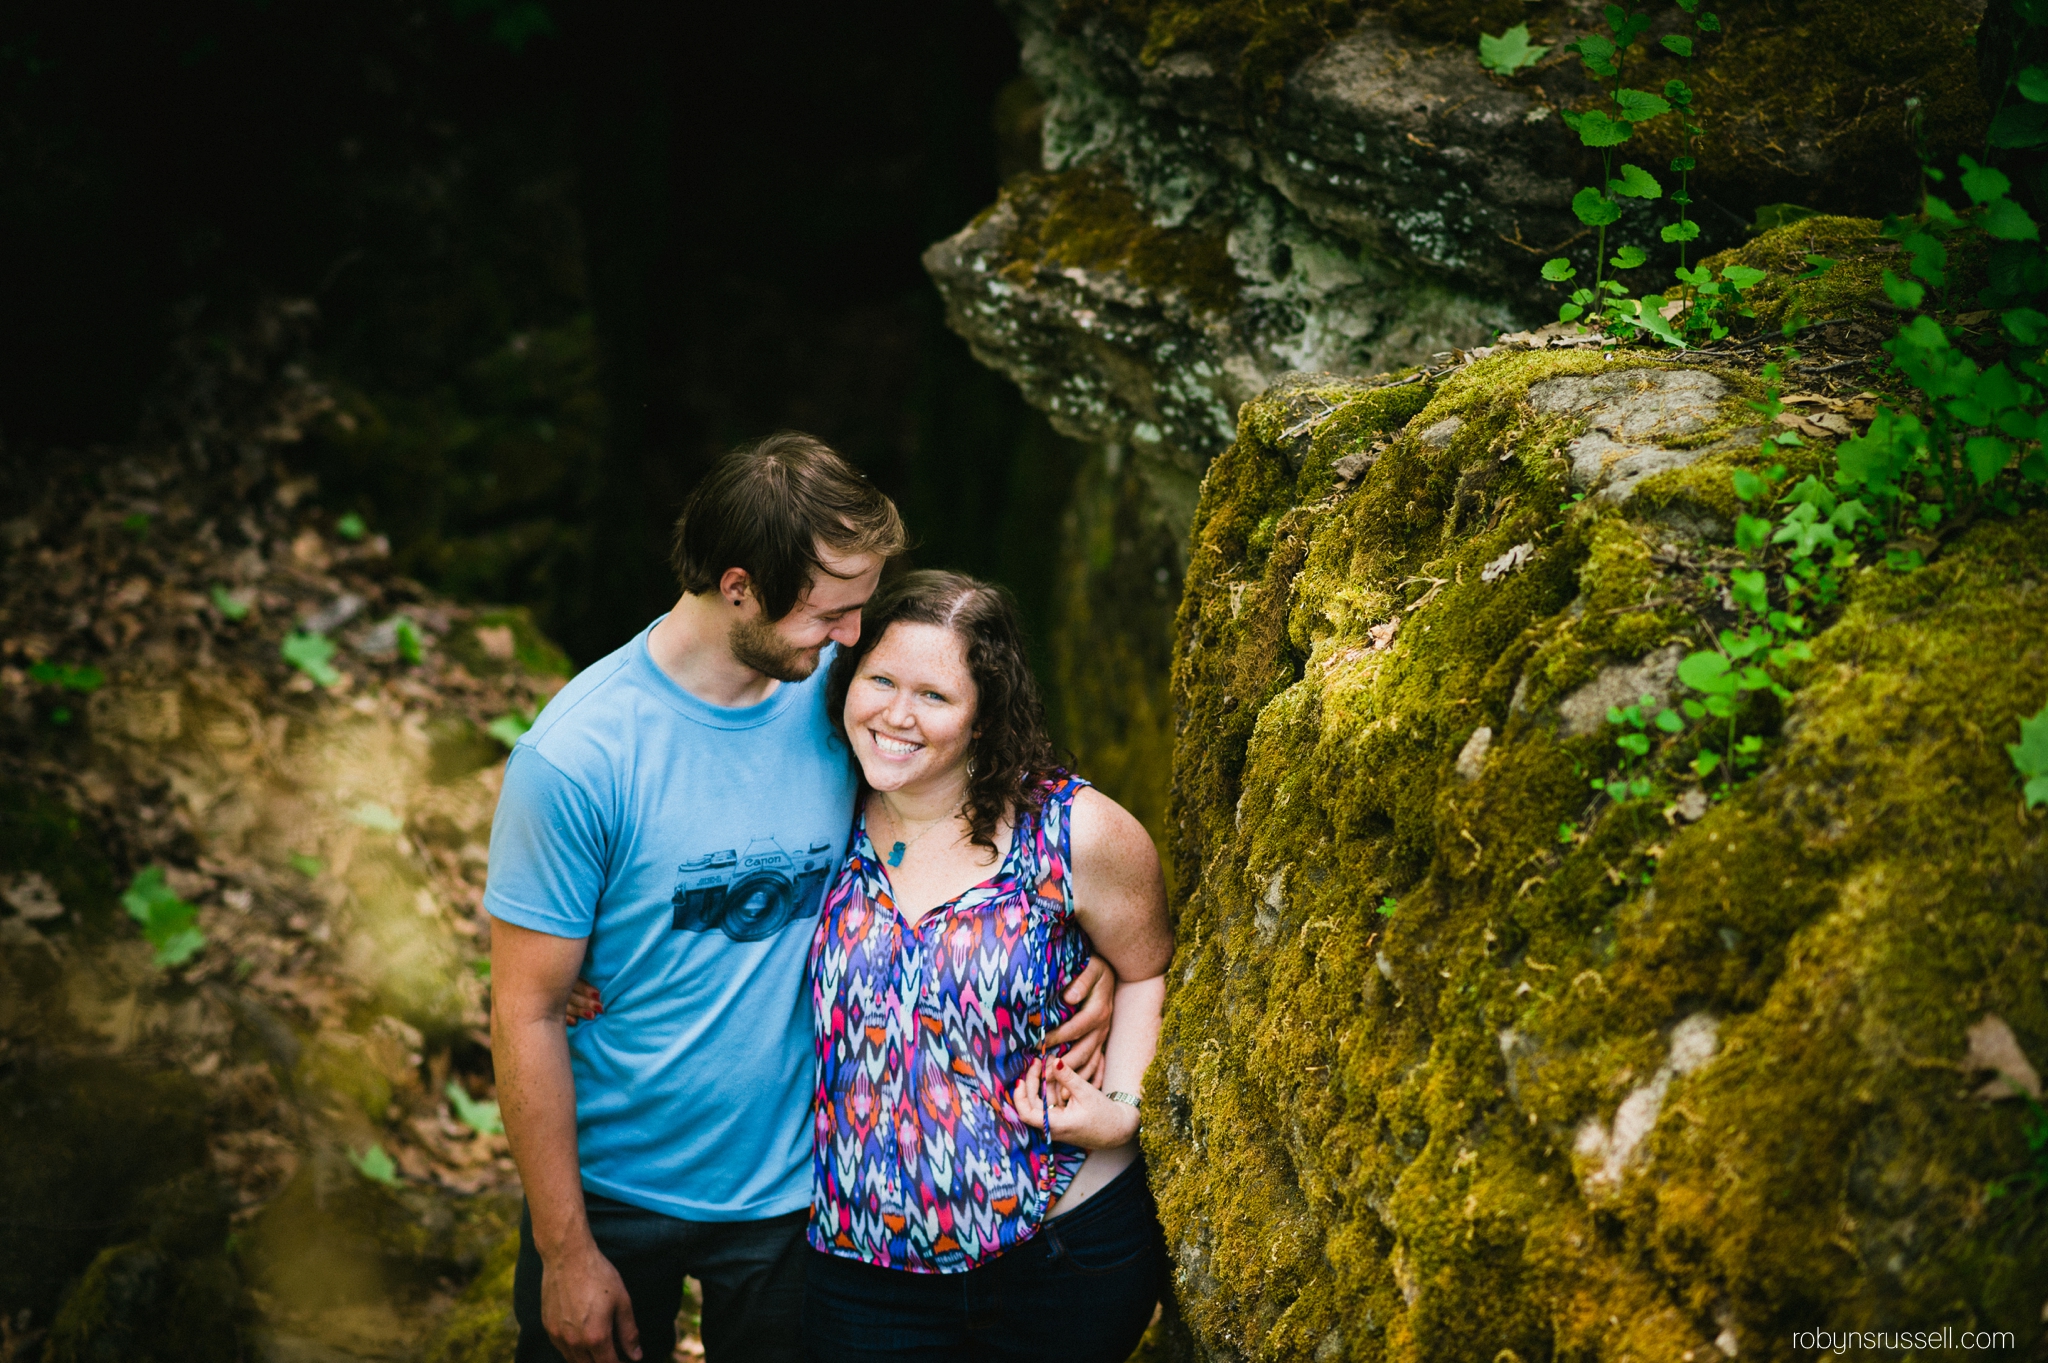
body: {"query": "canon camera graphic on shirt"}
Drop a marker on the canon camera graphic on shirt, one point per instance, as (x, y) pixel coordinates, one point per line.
(752, 895)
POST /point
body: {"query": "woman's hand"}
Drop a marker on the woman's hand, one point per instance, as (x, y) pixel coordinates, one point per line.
(584, 1003)
(1082, 1114)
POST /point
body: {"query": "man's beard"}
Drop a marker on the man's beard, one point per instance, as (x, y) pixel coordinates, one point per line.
(755, 644)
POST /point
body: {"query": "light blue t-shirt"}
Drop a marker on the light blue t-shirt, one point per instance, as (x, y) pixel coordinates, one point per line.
(692, 843)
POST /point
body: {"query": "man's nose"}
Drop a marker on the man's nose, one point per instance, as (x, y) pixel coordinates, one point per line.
(847, 632)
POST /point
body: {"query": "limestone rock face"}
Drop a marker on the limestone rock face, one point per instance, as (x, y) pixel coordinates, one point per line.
(1232, 192)
(1463, 1060)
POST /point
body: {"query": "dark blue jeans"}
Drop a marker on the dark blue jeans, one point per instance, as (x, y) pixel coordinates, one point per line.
(1081, 1291)
(751, 1273)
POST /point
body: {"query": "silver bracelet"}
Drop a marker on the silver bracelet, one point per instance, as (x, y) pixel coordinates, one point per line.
(1129, 1099)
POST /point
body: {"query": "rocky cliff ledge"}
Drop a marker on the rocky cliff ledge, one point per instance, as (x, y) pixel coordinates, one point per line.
(1232, 192)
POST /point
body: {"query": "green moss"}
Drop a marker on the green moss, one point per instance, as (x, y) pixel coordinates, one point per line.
(1088, 219)
(1378, 1137)
(1790, 87)
(82, 1145)
(139, 1303)
(532, 650)
(480, 1328)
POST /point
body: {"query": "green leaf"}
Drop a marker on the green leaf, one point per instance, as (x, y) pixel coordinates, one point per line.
(376, 818)
(1709, 24)
(1704, 764)
(1566, 832)
(1559, 270)
(1509, 52)
(1752, 533)
(1636, 183)
(1569, 312)
(1669, 722)
(1387, 905)
(1707, 672)
(1750, 589)
(407, 634)
(1988, 456)
(480, 1117)
(2007, 221)
(350, 527)
(2032, 83)
(1640, 106)
(309, 653)
(1982, 183)
(507, 728)
(1638, 744)
(1904, 293)
(1647, 314)
(2030, 755)
(1596, 52)
(376, 1166)
(1594, 208)
(1743, 277)
(168, 922)
(69, 676)
(1596, 129)
(1675, 43)
(1629, 258)
(1680, 231)
(2026, 326)
(232, 606)
(1748, 486)
(1821, 265)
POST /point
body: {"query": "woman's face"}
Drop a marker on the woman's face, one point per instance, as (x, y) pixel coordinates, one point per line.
(910, 710)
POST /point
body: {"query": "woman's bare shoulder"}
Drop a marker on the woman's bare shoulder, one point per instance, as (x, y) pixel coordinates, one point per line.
(1105, 834)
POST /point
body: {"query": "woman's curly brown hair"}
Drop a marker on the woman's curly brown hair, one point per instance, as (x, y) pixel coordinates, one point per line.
(1012, 754)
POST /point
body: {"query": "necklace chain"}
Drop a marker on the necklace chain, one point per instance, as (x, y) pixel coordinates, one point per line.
(901, 848)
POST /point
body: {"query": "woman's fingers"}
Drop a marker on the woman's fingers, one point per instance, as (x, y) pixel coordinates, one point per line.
(584, 1003)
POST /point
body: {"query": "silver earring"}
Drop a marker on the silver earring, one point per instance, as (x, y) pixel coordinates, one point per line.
(970, 768)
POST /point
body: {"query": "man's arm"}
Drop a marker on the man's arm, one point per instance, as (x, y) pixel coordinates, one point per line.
(584, 1305)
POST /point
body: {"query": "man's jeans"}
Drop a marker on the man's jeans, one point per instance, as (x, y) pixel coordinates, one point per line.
(752, 1273)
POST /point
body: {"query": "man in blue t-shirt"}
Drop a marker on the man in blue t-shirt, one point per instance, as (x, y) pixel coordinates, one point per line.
(667, 830)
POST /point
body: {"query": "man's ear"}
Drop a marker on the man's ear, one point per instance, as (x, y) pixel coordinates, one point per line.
(735, 586)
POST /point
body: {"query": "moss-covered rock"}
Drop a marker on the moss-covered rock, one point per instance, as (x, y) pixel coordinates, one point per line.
(480, 1327)
(1461, 1063)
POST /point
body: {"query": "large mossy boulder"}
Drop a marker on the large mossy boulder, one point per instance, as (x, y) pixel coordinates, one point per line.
(1463, 1060)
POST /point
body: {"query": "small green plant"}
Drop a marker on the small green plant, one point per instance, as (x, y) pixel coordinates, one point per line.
(407, 635)
(1387, 905)
(231, 605)
(1639, 723)
(374, 1165)
(307, 866)
(168, 922)
(480, 1117)
(310, 653)
(350, 527)
(2030, 758)
(1509, 52)
(68, 676)
(2034, 1178)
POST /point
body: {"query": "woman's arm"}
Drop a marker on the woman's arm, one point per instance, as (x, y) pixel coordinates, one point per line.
(1120, 898)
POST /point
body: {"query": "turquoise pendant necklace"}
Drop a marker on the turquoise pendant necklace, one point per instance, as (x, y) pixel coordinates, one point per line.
(897, 849)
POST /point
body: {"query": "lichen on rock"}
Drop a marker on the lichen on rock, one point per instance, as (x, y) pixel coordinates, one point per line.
(1458, 1060)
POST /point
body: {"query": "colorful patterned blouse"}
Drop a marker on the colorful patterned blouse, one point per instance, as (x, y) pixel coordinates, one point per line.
(919, 1160)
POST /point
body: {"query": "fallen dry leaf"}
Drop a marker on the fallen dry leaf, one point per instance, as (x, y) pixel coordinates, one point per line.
(1994, 1047)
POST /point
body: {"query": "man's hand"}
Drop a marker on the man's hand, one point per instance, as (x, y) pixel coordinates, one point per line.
(585, 1309)
(1093, 996)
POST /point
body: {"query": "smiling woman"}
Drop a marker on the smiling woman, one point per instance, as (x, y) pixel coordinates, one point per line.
(951, 1138)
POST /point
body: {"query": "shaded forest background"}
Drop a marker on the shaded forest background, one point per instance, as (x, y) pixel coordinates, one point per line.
(558, 259)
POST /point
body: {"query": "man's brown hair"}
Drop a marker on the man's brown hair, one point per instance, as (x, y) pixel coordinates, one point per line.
(767, 506)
